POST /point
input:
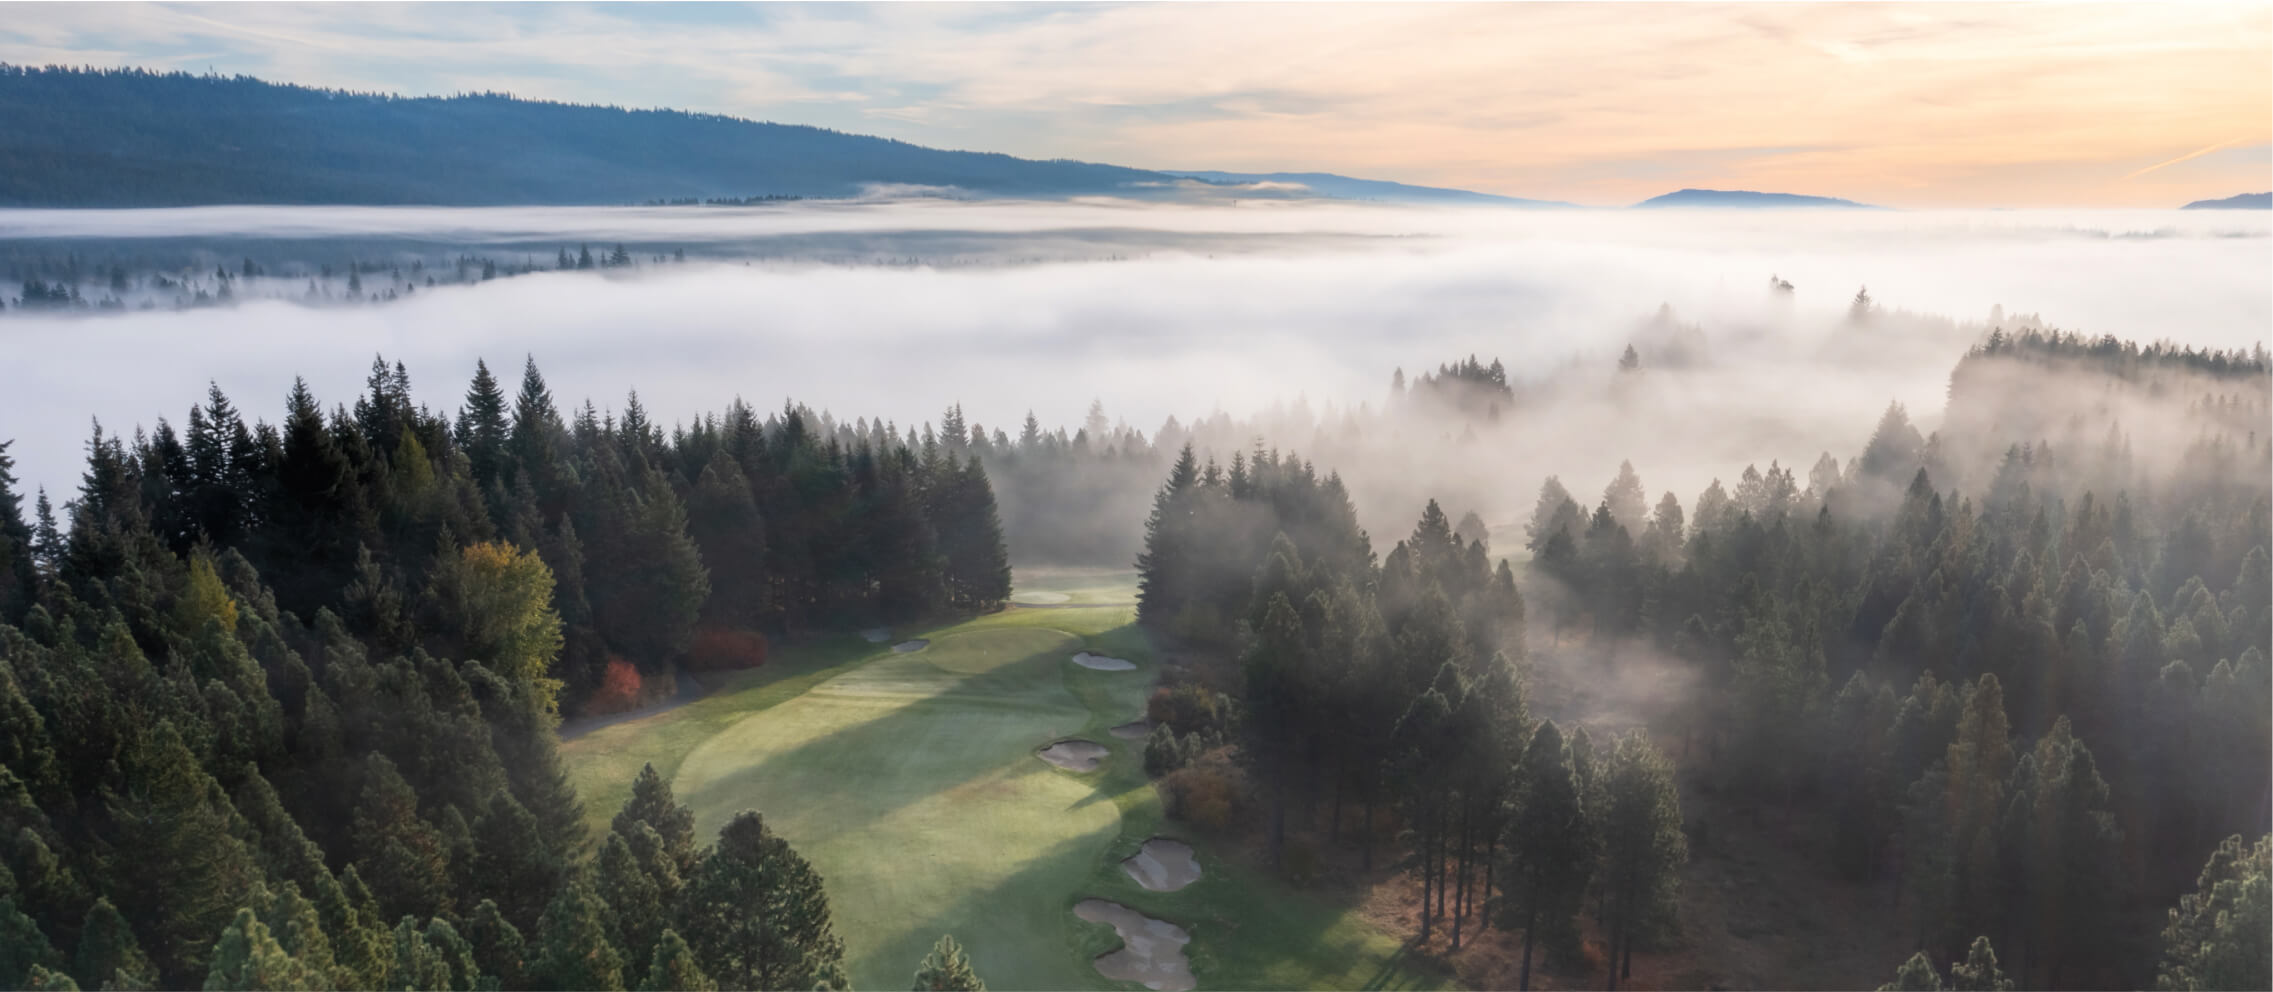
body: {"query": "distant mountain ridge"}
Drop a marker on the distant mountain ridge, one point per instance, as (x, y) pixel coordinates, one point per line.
(1747, 199)
(1347, 188)
(2239, 201)
(121, 138)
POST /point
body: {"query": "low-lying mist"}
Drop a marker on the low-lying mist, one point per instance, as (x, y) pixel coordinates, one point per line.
(1305, 309)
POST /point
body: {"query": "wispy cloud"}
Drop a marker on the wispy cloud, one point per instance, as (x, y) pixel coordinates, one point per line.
(2188, 157)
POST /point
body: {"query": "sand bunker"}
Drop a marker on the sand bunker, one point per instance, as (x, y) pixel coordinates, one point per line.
(1042, 598)
(1163, 865)
(1103, 663)
(1152, 951)
(876, 635)
(906, 646)
(1075, 755)
(1134, 730)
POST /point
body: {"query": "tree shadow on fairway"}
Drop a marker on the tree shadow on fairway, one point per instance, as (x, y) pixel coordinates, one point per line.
(1020, 933)
(906, 740)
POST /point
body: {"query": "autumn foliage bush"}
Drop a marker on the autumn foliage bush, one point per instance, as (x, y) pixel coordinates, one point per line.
(619, 689)
(718, 648)
(1210, 793)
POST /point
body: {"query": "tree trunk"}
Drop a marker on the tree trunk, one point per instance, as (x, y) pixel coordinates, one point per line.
(1428, 878)
(1334, 824)
(1460, 879)
(1365, 834)
(1278, 826)
(1530, 927)
(1491, 861)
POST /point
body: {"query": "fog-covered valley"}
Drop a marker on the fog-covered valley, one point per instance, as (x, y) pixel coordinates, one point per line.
(1287, 317)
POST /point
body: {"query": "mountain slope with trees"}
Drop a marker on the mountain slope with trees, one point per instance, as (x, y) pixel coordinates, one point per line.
(134, 138)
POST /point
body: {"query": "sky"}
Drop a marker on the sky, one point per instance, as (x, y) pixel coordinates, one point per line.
(1911, 105)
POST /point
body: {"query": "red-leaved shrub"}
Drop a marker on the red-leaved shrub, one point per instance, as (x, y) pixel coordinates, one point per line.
(717, 649)
(618, 691)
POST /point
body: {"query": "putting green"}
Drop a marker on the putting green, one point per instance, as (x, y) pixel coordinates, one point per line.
(912, 784)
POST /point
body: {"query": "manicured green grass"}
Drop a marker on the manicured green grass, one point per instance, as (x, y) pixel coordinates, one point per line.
(1079, 586)
(910, 781)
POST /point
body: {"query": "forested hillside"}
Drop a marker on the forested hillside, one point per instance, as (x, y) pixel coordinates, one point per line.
(2029, 702)
(135, 138)
(277, 703)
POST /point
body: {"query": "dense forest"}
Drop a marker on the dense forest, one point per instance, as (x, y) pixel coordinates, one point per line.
(264, 689)
(135, 138)
(2018, 667)
(278, 702)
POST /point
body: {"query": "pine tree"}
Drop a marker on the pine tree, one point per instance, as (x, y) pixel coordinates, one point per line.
(497, 945)
(573, 949)
(177, 865)
(108, 954)
(23, 947)
(1915, 975)
(1643, 848)
(481, 428)
(248, 959)
(19, 577)
(947, 969)
(1551, 849)
(723, 520)
(2218, 935)
(673, 968)
(658, 808)
(756, 915)
(1979, 972)
(400, 850)
(634, 899)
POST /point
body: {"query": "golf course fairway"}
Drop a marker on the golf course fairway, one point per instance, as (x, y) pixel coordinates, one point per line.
(913, 784)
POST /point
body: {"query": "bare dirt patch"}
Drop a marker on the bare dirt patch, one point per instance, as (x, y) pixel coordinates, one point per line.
(1075, 755)
(1152, 951)
(906, 646)
(1134, 730)
(1163, 865)
(1103, 663)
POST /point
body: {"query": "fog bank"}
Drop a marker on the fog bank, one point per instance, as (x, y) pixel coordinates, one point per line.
(1224, 308)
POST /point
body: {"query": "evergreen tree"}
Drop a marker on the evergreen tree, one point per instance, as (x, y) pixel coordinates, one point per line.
(24, 949)
(176, 863)
(1643, 848)
(1551, 849)
(2218, 936)
(756, 915)
(673, 968)
(482, 429)
(403, 853)
(1979, 972)
(108, 954)
(947, 969)
(574, 950)
(248, 959)
(1915, 975)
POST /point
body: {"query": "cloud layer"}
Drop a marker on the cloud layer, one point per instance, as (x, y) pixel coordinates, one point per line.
(1313, 304)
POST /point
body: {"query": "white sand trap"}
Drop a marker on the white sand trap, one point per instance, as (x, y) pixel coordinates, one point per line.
(906, 646)
(1075, 755)
(1042, 598)
(1152, 951)
(1163, 865)
(876, 635)
(1134, 730)
(1103, 663)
